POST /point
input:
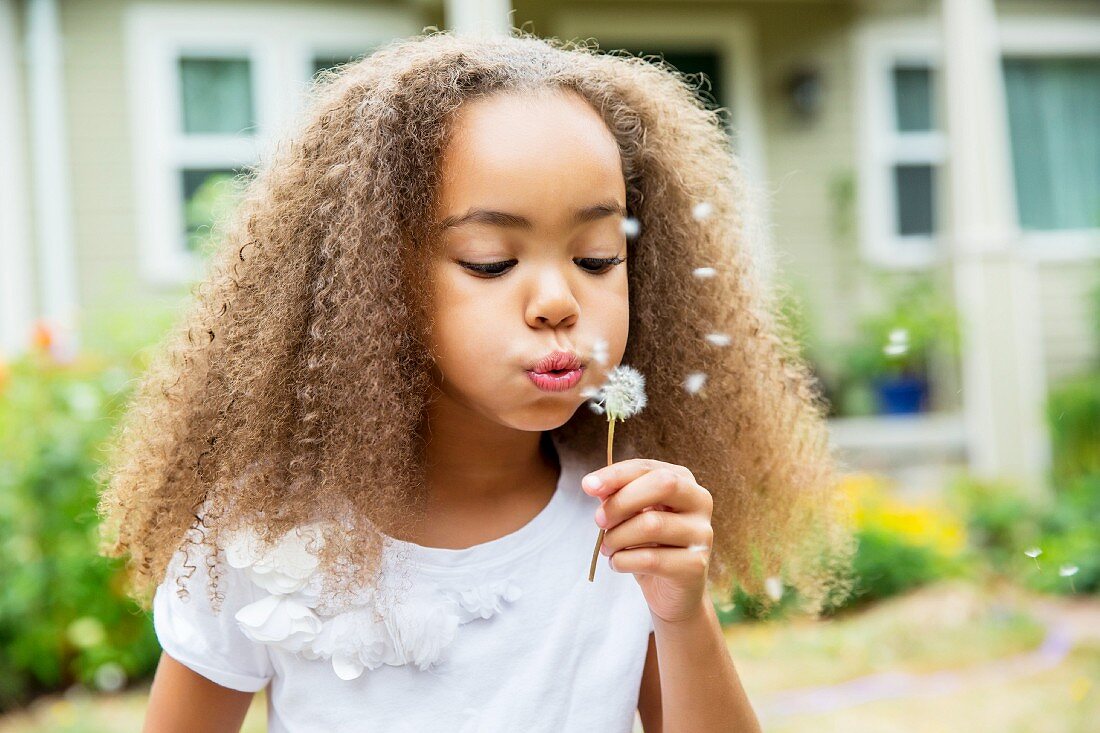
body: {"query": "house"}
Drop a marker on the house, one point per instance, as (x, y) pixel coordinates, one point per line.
(119, 117)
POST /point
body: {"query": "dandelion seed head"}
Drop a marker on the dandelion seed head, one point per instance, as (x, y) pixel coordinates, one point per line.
(1067, 570)
(622, 395)
(774, 587)
(1033, 552)
(630, 226)
(718, 339)
(704, 272)
(702, 210)
(694, 382)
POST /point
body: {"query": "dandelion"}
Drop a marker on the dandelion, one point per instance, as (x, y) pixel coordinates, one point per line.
(1068, 571)
(702, 210)
(621, 396)
(694, 382)
(718, 339)
(704, 272)
(773, 586)
(630, 226)
(1034, 553)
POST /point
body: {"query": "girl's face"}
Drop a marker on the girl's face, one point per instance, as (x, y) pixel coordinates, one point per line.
(532, 191)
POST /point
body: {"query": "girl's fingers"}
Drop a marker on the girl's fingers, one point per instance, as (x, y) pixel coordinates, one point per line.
(670, 562)
(661, 486)
(662, 528)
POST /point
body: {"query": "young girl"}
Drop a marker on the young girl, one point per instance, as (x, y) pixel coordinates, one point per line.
(354, 474)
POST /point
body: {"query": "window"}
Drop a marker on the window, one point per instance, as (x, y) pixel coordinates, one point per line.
(902, 148)
(1054, 129)
(210, 89)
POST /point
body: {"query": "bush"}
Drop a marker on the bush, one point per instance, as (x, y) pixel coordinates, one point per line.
(64, 616)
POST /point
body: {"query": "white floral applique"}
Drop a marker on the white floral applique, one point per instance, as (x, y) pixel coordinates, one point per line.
(414, 630)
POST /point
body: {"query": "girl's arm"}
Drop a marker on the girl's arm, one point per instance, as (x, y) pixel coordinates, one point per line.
(182, 701)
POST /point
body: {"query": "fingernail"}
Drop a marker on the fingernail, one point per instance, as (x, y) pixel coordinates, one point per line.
(592, 482)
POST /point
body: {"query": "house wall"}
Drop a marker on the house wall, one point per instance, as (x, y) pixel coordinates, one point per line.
(808, 166)
(101, 149)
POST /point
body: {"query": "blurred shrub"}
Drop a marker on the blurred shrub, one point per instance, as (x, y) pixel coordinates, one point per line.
(1073, 415)
(1004, 525)
(64, 617)
(902, 546)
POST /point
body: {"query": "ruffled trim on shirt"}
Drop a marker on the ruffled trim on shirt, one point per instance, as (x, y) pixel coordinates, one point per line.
(416, 630)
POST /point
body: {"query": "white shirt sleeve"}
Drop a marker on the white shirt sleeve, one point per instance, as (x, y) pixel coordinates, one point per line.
(210, 644)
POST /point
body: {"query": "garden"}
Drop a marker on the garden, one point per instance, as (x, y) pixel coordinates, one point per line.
(975, 593)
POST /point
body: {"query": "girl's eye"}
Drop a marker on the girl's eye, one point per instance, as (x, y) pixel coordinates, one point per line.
(594, 265)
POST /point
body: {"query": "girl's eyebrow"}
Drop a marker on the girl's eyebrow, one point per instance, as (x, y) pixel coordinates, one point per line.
(490, 217)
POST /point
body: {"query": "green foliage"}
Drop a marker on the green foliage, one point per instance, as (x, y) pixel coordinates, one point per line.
(63, 613)
(1073, 415)
(916, 315)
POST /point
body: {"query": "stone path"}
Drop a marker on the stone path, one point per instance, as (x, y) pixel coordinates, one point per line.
(1067, 623)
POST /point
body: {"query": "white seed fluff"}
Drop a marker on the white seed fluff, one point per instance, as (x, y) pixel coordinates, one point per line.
(630, 226)
(694, 382)
(718, 339)
(704, 272)
(774, 587)
(702, 210)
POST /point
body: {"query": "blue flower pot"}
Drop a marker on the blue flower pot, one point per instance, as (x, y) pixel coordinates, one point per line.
(902, 395)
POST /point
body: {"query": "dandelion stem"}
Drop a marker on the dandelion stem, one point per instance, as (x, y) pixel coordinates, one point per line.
(599, 538)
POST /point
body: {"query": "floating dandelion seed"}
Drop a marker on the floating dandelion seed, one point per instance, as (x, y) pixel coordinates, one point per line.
(694, 382)
(718, 339)
(899, 342)
(1068, 571)
(702, 210)
(1034, 553)
(630, 226)
(621, 396)
(773, 586)
(704, 272)
(599, 351)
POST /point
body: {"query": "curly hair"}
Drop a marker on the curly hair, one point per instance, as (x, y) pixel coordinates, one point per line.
(294, 386)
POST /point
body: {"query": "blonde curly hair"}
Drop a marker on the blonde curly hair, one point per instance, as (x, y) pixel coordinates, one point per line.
(295, 386)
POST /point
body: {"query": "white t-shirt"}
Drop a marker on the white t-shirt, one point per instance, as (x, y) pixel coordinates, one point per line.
(506, 635)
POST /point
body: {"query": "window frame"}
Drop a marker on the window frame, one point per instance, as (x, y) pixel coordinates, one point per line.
(1052, 38)
(877, 45)
(280, 44)
(880, 146)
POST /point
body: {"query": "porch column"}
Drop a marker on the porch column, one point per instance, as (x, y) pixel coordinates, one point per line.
(996, 286)
(478, 16)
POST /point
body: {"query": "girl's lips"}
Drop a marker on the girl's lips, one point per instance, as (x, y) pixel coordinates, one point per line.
(555, 382)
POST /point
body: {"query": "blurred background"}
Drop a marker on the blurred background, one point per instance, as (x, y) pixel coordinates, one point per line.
(926, 177)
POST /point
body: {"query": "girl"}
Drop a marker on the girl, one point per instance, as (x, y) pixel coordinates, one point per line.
(353, 474)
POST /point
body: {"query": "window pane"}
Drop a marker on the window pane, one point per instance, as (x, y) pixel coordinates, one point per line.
(209, 195)
(320, 63)
(914, 191)
(913, 98)
(1054, 125)
(217, 95)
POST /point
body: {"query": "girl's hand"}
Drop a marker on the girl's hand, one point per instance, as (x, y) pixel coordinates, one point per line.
(657, 522)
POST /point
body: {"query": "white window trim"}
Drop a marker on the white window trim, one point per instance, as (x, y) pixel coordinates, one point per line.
(877, 44)
(880, 146)
(730, 31)
(1049, 38)
(280, 42)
